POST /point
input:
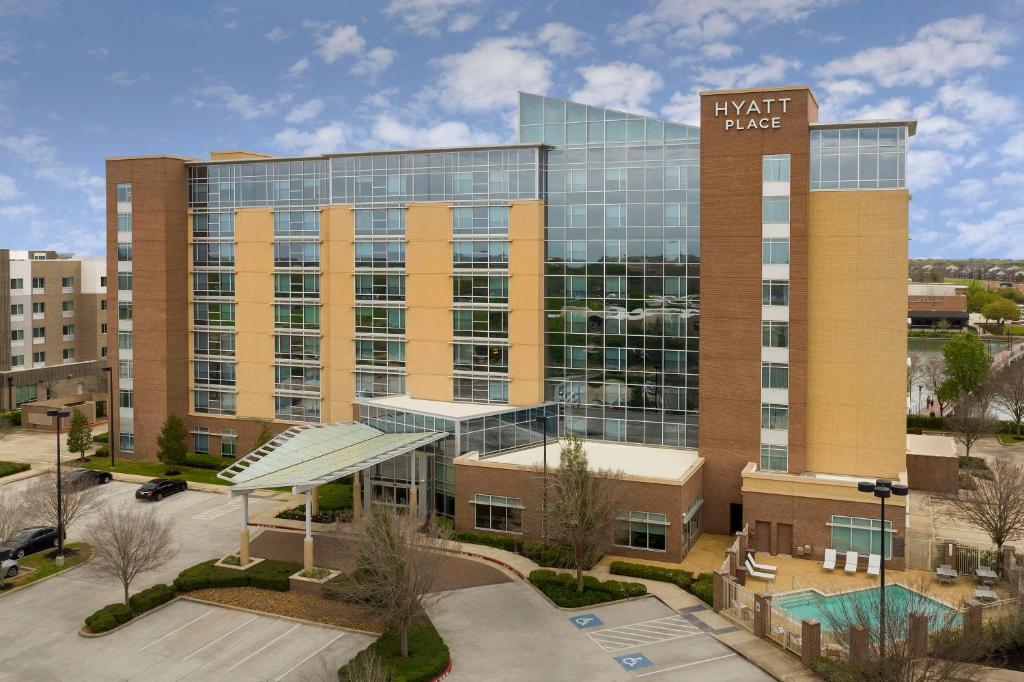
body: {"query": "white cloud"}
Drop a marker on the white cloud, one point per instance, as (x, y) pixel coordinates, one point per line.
(246, 106)
(374, 62)
(426, 17)
(391, 132)
(562, 39)
(887, 109)
(127, 80)
(489, 75)
(618, 85)
(1010, 179)
(969, 190)
(977, 103)
(37, 151)
(305, 111)
(837, 96)
(769, 69)
(945, 132)
(925, 236)
(8, 52)
(504, 21)
(343, 41)
(1014, 147)
(717, 51)
(999, 233)
(278, 34)
(461, 23)
(938, 51)
(99, 53)
(299, 67)
(976, 160)
(328, 138)
(8, 190)
(928, 167)
(19, 211)
(683, 107)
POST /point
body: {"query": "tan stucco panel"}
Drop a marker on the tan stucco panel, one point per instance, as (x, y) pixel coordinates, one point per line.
(526, 303)
(254, 312)
(428, 296)
(856, 332)
(337, 316)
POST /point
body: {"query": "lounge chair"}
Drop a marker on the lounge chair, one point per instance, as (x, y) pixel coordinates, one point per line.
(851, 562)
(760, 575)
(985, 594)
(830, 560)
(761, 567)
(874, 564)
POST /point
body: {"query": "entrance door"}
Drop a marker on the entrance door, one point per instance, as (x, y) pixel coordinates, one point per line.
(735, 518)
(785, 538)
(764, 536)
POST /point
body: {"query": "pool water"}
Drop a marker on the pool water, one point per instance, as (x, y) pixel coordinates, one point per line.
(899, 601)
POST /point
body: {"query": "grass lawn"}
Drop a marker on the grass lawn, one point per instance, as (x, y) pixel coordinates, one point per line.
(152, 469)
(75, 553)
(335, 496)
(9, 468)
(1010, 438)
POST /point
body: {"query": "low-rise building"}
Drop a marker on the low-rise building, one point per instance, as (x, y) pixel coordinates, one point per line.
(930, 304)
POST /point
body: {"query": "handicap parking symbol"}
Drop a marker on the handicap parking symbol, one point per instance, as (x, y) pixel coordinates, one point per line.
(634, 661)
(586, 620)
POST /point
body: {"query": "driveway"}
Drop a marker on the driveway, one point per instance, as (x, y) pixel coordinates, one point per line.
(510, 632)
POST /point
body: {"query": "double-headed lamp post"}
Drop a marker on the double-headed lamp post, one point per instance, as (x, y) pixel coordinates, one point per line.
(882, 488)
(59, 414)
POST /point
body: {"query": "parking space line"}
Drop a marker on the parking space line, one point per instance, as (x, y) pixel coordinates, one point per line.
(204, 498)
(194, 620)
(303, 661)
(217, 512)
(264, 647)
(657, 629)
(687, 665)
(643, 633)
(229, 632)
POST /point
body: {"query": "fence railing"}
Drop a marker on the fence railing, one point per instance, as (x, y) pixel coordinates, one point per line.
(784, 629)
(927, 555)
(738, 603)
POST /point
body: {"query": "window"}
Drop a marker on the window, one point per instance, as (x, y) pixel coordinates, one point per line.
(125, 369)
(214, 314)
(373, 384)
(126, 398)
(380, 353)
(69, 354)
(213, 225)
(297, 377)
(774, 457)
(103, 302)
(124, 310)
(228, 443)
(295, 347)
(615, 359)
(641, 530)
(481, 220)
(775, 210)
(67, 306)
(480, 323)
(480, 390)
(213, 401)
(38, 332)
(67, 282)
(124, 192)
(17, 335)
(214, 343)
(214, 373)
(219, 254)
(296, 286)
(124, 252)
(474, 254)
(17, 309)
(296, 316)
(380, 287)
(125, 341)
(296, 408)
(17, 283)
(775, 168)
(504, 514)
(294, 254)
(213, 283)
(126, 442)
(853, 534)
(380, 320)
(774, 417)
(614, 179)
(386, 254)
(24, 394)
(124, 222)
(103, 351)
(297, 224)
(67, 331)
(38, 308)
(774, 375)
(858, 158)
(775, 334)
(480, 289)
(124, 281)
(468, 357)
(774, 292)
(103, 327)
(38, 283)
(775, 251)
(201, 442)
(17, 360)
(380, 222)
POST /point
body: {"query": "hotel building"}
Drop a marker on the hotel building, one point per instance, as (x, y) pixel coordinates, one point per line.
(718, 311)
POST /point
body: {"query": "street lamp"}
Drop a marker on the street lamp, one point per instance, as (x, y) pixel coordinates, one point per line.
(882, 488)
(112, 438)
(59, 414)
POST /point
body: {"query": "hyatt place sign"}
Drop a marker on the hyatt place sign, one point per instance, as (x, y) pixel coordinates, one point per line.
(745, 114)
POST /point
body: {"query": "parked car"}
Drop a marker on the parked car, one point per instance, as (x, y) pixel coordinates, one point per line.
(159, 488)
(30, 540)
(8, 564)
(87, 478)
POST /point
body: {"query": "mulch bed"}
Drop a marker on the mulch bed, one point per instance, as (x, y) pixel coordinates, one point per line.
(293, 605)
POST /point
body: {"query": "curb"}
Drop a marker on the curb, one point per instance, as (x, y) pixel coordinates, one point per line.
(42, 580)
(91, 635)
(499, 562)
(197, 600)
(446, 673)
(31, 472)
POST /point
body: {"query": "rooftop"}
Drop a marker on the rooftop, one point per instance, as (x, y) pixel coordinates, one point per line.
(933, 446)
(438, 408)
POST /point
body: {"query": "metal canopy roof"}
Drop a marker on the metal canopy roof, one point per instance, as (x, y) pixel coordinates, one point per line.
(313, 454)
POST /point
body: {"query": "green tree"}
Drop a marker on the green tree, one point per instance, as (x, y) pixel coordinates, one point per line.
(263, 437)
(966, 368)
(79, 434)
(1000, 310)
(171, 444)
(978, 297)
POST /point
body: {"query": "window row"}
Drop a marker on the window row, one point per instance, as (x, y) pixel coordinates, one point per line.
(480, 220)
(380, 320)
(378, 222)
(296, 347)
(380, 353)
(213, 225)
(296, 378)
(480, 323)
(296, 223)
(641, 530)
(213, 401)
(620, 250)
(214, 373)
(387, 254)
(378, 384)
(480, 390)
(480, 289)
(296, 316)
(296, 286)
(296, 408)
(624, 215)
(213, 314)
(503, 514)
(213, 283)
(380, 287)
(296, 254)
(576, 287)
(214, 343)
(479, 254)
(469, 357)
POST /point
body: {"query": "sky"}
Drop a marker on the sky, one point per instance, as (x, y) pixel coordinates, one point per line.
(83, 81)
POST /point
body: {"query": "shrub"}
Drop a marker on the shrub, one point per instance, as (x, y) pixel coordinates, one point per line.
(704, 588)
(550, 556)
(678, 577)
(101, 438)
(921, 421)
(13, 417)
(9, 468)
(428, 656)
(832, 670)
(561, 589)
(102, 451)
(109, 617)
(151, 598)
(268, 575)
(299, 514)
(206, 461)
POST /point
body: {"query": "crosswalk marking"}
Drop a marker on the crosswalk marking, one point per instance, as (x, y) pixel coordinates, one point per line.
(217, 512)
(647, 632)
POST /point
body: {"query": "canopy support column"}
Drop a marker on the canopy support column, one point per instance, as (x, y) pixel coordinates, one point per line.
(307, 542)
(243, 545)
(357, 498)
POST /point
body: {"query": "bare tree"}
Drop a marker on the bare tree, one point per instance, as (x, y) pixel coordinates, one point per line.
(582, 507)
(931, 373)
(12, 519)
(971, 420)
(996, 503)
(397, 569)
(129, 542)
(76, 499)
(1008, 392)
(367, 666)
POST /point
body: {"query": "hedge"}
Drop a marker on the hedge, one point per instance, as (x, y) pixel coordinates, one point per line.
(561, 589)
(101, 437)
(151, 597)
(217, 462)
(703, 586)
(920, 421)
(109, 617)
(550, 556)
(428, 656)
(268, 575)
(9, 468)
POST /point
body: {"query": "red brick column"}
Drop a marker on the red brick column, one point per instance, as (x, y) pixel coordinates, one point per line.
(762, 604)
(742, 546)
(917, 635)
(972, 619)
(741, 576)
(810, 641)
(859, 645)
(718, 593)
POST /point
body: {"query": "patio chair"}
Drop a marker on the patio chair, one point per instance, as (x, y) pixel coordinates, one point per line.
(761, 567)
(851, 562)
(874, 564)
(985, 594)
(830, 560)
(760, 575)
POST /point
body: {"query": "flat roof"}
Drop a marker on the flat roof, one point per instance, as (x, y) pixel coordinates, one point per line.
(933, 446)
(377, 152)
(869, 123)
(440, 408)
(631, 460)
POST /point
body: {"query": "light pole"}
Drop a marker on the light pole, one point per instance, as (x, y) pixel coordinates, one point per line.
(59, 414)
(882, 488)
(112, 437)
(543, 419)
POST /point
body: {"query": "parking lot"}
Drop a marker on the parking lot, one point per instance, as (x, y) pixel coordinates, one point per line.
(510, 632)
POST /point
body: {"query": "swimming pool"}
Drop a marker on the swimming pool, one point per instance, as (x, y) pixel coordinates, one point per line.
(899, 601)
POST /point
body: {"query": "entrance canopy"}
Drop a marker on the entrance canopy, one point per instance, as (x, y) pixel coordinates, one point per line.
(306, 456)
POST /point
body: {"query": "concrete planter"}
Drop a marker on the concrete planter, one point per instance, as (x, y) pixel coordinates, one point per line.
(252, 562)
(313, 586)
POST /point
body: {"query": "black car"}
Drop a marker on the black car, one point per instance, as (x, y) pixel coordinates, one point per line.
(86, 478)
(30, 540)
(159, 488)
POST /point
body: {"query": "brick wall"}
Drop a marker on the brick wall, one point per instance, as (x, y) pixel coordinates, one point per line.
(934, 474)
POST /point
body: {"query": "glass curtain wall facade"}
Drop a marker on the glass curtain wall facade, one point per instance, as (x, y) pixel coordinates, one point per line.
(622, 270)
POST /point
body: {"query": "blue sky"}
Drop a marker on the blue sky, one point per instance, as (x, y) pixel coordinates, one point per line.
(81, 81)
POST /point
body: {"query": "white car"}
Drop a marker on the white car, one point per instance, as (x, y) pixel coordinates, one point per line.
(9, 568)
